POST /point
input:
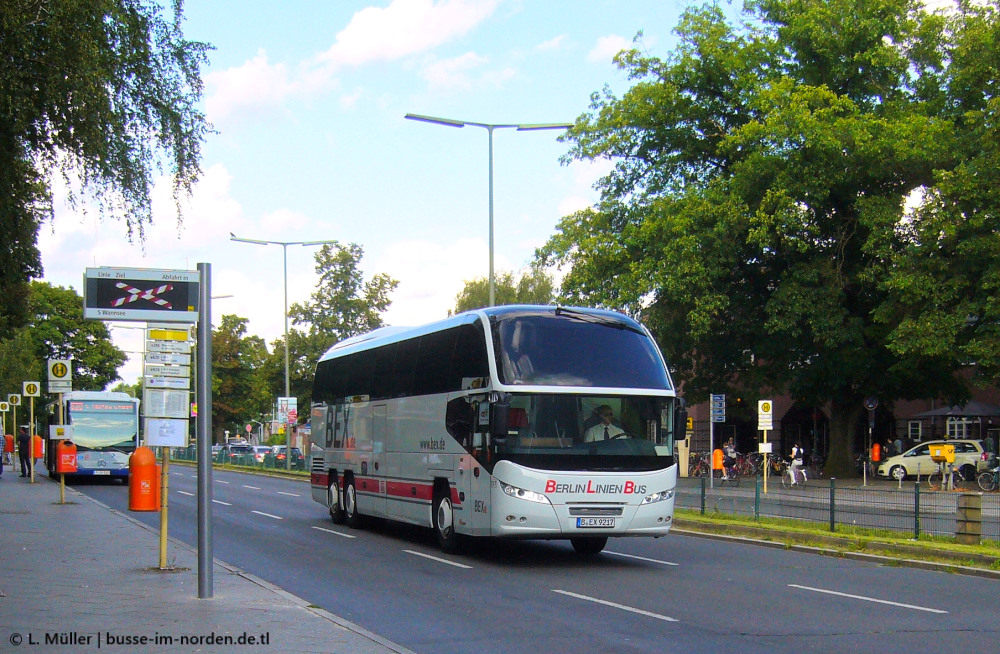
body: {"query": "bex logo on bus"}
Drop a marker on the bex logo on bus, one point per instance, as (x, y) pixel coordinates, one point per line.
(627, 488)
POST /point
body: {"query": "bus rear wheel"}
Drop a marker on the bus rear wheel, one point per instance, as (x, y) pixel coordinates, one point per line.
(351, 504)
(589, 545)
(444, 523)
(334, 501)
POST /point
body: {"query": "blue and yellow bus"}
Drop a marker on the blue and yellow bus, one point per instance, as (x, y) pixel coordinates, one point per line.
(105, 432)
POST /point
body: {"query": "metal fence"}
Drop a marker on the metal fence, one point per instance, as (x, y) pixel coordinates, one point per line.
(269, 461)
(849, 507)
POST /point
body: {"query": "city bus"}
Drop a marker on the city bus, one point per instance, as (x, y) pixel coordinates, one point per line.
(105, 432)
(489, 423)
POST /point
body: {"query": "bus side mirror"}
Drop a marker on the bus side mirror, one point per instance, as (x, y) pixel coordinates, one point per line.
(680, 421)
(500, 422)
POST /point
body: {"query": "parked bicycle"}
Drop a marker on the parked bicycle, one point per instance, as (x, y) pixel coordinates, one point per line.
(946, 478)
(990, 479)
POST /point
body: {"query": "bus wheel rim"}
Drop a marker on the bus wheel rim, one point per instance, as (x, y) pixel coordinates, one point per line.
(444, 516)
(333, 496)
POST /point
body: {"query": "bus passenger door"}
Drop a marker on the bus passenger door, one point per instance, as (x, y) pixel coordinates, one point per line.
(379, 466)
(474, 497)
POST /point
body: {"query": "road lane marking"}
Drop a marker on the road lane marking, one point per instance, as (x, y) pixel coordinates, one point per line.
(186, 493)
(221, 482)
(251, 487)
(623, 607)
(335, 533)
(222, 503)
(438, 559)
(289, 494)
(642, 558)
(867, 599)
(269, 515)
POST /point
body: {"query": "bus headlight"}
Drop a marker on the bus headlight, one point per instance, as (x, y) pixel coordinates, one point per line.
(522, 494)
(658, 497)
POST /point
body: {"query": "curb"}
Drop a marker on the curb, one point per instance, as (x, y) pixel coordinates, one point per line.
(877, 559)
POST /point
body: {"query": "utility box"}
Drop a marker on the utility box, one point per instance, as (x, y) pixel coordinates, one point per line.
(943, 453)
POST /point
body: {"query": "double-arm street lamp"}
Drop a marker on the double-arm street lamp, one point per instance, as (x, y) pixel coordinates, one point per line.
(284, 248)
(489, 127)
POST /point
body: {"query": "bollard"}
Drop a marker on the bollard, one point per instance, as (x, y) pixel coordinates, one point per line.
(969, 519)
(143, 481)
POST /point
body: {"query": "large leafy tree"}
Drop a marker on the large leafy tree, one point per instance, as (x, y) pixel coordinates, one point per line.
(343, 305)
(56, 330)
(239, 381)
(756, 216)
(532, 287)
(102, 91)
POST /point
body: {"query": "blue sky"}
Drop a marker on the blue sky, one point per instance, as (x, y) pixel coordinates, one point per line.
(308, 98)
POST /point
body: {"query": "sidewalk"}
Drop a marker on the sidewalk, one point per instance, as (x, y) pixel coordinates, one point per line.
(82, 577)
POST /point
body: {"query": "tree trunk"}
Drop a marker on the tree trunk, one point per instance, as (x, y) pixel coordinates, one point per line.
(844, 412)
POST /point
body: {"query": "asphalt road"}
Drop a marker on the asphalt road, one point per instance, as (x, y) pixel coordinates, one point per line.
(674, 594)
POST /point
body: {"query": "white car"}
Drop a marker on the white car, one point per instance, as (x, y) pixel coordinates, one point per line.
(917, 460)
(259, 451)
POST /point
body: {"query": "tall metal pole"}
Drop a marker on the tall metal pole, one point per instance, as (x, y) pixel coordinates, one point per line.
(493, 302)
(204, 431)
(284, 251)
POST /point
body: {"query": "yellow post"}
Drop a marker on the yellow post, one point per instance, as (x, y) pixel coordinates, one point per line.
(164, 483)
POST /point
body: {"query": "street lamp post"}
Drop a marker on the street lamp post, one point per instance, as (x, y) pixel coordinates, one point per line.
(489, 127)
(284, 249)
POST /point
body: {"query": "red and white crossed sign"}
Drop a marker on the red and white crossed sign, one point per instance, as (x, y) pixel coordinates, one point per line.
(139, 294)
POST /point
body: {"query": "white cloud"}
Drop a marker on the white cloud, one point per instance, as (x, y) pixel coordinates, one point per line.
(552, 44)
(607, 47)
(431, 275)
(452, 73)
(257, 86)
(404, 28)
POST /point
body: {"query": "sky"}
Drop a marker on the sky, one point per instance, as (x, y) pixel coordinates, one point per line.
(307, 100)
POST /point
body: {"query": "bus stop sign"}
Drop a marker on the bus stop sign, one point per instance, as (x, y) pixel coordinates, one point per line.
(141, 294)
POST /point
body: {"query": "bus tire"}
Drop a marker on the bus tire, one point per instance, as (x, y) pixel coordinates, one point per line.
(351, 514)
(589, 545)
(444, 521)
(334, 502)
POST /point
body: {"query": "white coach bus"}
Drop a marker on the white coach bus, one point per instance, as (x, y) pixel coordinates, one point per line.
(513, 422)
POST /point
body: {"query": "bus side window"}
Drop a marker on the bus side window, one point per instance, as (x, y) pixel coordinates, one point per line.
(458, 421)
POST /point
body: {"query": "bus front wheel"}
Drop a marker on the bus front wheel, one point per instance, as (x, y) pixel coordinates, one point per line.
(333, 500)
(444, 523)
(351, 504)
(589, 545)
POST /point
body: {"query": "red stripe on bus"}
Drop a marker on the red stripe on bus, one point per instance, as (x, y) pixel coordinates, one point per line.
(393, 489)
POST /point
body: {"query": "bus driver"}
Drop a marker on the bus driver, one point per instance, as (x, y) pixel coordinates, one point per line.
(603, 430)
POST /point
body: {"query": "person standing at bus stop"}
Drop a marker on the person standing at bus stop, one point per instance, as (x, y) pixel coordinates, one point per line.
(24, 451)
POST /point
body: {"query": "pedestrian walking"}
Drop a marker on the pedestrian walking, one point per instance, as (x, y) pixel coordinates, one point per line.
(24, 451)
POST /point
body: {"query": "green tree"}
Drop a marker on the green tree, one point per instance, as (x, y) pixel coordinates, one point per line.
(104, 91)
(239, 383)
(533, 287)
(343, 305)
(755, 214)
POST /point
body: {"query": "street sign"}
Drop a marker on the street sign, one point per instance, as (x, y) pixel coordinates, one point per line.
(60, 370)
(165, 403)
(32, 389)
(180, 383)
(61, 432)
(165, 432)
(165, 358)
(140, 294)
(14, 399)
(168, 347)
(60, 386)
(249, 428)
(4, 407)
(718, 408)
(765, 420)
(168, 371)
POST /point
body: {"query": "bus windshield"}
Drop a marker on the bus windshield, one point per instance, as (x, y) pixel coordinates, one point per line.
(573, 348)
(588, 432)
(103, 424)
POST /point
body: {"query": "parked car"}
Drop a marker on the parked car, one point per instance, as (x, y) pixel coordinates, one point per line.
(276, 458)
(917, 460)
(236, 453)
(259, 452)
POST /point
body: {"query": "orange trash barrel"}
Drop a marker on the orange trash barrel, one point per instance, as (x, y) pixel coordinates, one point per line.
(8, 443)
(36, 440)
(65, 457)
(143, 481)
(717, 457)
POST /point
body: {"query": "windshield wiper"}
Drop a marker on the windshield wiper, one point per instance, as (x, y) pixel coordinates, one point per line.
(593, 319)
